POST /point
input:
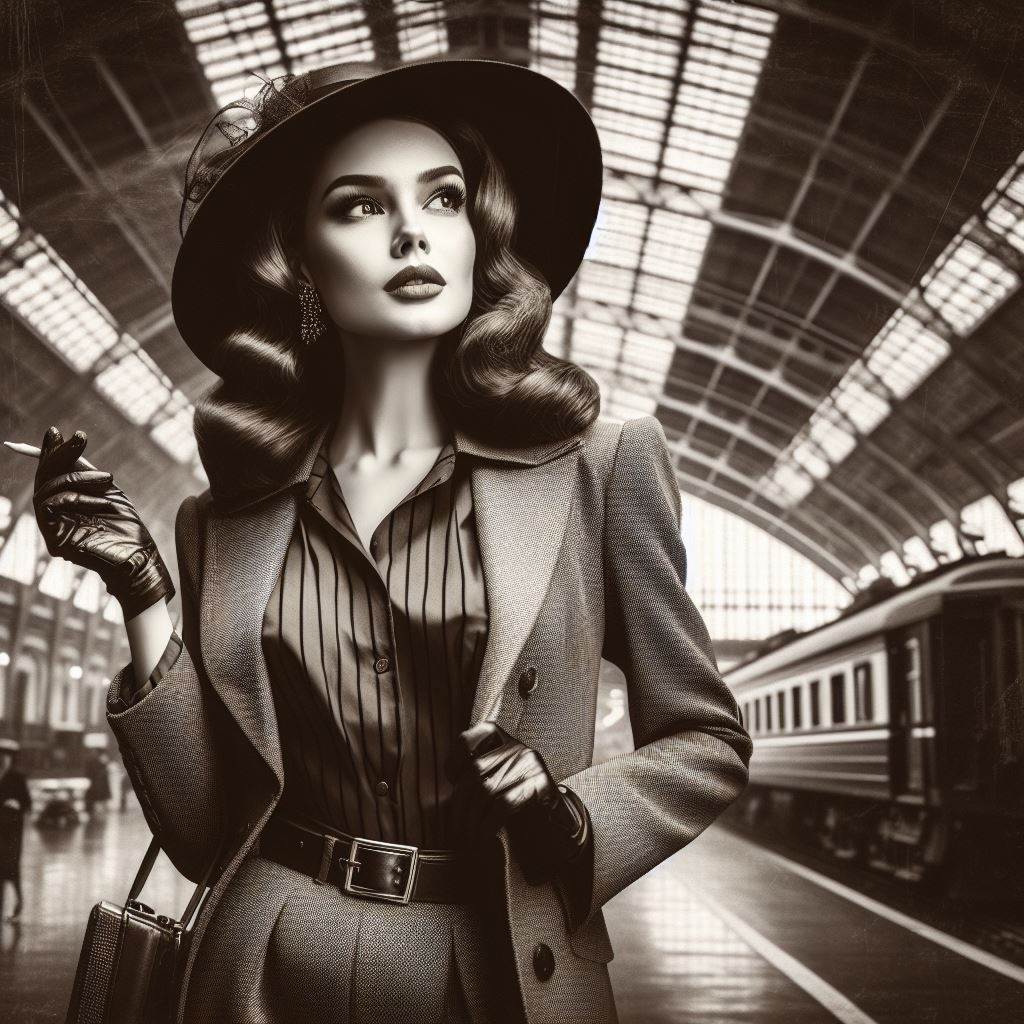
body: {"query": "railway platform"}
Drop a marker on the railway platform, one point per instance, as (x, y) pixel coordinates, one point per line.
(726, 932)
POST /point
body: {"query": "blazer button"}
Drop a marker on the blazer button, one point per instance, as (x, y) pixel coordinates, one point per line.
(527, 682)
(543, 961)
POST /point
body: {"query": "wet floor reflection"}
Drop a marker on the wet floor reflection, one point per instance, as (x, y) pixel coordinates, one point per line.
(65, 872)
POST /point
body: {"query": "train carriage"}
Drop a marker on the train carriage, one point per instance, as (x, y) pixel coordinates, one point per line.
(894, 735)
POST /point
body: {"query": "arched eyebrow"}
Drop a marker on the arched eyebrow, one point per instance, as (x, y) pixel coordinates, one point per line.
(376, 181)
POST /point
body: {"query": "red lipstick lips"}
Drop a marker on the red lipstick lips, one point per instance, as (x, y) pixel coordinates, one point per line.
(421, 273)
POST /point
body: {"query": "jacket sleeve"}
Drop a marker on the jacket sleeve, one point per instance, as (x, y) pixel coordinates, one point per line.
(167, 730)
(692, 751)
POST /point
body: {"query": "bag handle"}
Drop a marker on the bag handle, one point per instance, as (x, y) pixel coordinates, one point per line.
(149, 858)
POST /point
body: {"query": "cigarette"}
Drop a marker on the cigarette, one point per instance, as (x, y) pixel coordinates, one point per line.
(33, 452)
(23, 449)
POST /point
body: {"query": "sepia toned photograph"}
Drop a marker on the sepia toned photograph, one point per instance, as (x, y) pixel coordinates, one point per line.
(511, 512)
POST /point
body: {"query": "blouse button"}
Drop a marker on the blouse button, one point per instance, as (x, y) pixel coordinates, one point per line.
(382, 788)
(528, 682)
(382, 665)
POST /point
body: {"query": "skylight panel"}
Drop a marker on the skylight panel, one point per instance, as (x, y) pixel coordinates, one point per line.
(704, 144)
(231, 41)
(893, 567)
(57, 579)
(135, 386)
(87, 593)
(658, 55)
(647, 356)
(963, 285)
(596, 345)
(665, 19)
(740, 16)
(830, 441)
(555, 37)
(626, 150)
(43, 291)
(904, 353)
(967, 284)
(675, 245)
(625, 404)
(916, 552)
(621, 232)
(615, 87)
(986, 516)
(690, 96)
(807, 455)
(660, 298)
(786, 485)
(944, 540)
(174, 432)
(422, 31)
(19, 555)
(602, 283)
(645, 129)
(859, 403)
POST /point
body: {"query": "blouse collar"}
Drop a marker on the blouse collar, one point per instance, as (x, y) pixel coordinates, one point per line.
(461, 442)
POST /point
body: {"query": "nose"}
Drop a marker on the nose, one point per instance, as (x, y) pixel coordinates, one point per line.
(408, 238)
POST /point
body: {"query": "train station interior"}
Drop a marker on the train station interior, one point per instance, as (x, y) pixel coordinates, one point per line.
(807, 265)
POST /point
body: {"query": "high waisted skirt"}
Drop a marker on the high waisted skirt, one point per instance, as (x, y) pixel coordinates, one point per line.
(282, 947)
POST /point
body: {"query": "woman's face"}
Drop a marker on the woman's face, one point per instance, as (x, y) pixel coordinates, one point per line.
(359, 233)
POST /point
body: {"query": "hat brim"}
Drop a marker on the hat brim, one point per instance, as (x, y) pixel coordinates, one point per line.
(538, 130)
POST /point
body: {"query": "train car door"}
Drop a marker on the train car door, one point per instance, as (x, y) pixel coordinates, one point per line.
(908, 713)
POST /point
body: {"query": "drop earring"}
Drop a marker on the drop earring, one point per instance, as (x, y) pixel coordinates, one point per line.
(312, 321)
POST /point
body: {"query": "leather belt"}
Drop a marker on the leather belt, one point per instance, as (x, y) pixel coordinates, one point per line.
(368, 868)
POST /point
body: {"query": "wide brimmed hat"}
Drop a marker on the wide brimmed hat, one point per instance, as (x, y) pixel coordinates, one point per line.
(540, 132)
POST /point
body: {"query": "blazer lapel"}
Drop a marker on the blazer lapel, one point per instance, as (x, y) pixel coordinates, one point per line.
(521, 504)
(244, 555)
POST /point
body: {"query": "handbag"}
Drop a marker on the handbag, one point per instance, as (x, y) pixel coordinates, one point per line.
(128, 968)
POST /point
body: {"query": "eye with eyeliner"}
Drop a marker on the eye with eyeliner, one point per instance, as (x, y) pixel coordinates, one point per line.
(453, 190)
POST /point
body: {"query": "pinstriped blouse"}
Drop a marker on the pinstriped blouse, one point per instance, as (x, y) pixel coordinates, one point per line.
(374, 655)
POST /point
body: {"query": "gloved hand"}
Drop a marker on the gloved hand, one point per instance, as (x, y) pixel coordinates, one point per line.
(500, 781)
(87, 520)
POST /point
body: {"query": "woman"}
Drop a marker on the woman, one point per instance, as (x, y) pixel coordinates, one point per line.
(15, 804)
(419, 540)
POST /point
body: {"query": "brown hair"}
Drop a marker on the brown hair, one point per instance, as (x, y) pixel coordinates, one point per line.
(491, 376)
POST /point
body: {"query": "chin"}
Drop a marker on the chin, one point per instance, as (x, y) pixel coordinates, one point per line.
(422, 324)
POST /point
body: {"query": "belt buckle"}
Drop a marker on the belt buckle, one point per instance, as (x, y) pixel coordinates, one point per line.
(378, 844)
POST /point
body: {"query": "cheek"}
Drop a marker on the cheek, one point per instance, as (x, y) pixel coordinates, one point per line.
(337, 259)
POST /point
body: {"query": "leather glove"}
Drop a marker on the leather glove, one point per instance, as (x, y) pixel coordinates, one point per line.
(502, 782)
(86, 519)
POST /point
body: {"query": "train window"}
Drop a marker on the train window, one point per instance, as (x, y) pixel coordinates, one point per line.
(780, 708)
(814, 693)
(797, 709)
(837, 685)
(862, 692)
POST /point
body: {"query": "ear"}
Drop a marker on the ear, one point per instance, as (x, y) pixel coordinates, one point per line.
(303, 273)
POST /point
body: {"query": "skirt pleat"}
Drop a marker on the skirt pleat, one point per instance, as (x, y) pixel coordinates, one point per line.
(280, 947)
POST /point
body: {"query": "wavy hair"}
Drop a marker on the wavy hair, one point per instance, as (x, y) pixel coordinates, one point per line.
(491, 377)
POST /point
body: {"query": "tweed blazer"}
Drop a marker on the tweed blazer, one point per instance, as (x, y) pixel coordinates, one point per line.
(582, 559)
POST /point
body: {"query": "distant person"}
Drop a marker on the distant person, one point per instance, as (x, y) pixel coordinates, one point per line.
(99, 782)
(15, 803)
